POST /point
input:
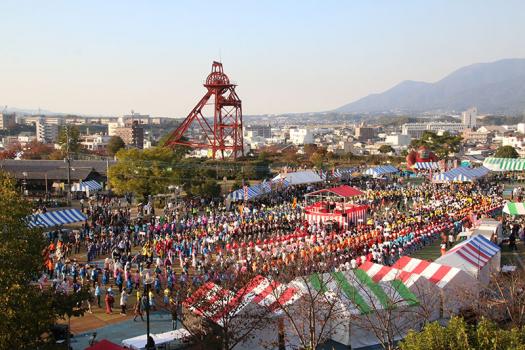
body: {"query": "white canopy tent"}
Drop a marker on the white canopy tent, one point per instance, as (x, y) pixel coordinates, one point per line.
(300, 177)
(139, 343)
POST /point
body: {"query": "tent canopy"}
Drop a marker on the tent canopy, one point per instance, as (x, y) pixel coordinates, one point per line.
(139, 343)
(344, 191)
(439, 274)
(257, 190)
(216, 303)
(340, 172)
(105, 345)
(83, 186)
(56, 218)
(514, 208)
(426, 165)
(358, 292)
(462, 174)
(504, 164)
(476, 252)
(381, 170)
(300, 177)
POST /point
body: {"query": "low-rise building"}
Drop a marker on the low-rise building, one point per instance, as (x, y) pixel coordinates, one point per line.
(263, 131)
(477, 137)
(398, 140)
(416, 130)
(95, 142)
(301, 136)
(364, 133)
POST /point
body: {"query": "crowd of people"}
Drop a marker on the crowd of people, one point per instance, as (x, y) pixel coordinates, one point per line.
(115, 253)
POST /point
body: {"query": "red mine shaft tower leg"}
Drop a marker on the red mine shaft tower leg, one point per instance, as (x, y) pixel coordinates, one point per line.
(224, 138)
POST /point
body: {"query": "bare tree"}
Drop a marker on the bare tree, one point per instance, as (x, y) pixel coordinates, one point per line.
(221, 314)
(503, 300)
(310, 318)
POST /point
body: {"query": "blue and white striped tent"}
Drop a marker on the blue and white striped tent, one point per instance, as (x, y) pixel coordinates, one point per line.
(462, 174)
(426, 165)
(83, 186)
(463, 178)
(56, 218)
(443, 177)
(381, 170)
(256, 190)
(340, 172)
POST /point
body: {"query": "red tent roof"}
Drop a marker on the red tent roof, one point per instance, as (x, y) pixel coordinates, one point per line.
(341, 191)
(105, 345)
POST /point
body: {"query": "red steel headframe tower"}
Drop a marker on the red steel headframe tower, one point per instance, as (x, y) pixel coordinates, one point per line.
(224, 138)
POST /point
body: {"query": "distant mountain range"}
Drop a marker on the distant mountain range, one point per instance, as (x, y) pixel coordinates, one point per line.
(497, 87)
(22, 111)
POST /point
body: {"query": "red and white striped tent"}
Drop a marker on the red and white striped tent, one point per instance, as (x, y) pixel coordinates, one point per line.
(352, 213)
(220, 305)
(418, 284)
(382, 273)
(440, 275)
(477, 256)
(455, 284)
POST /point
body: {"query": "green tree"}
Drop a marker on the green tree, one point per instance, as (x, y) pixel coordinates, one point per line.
(317, 159)
(384, 149)
(28, 312)
(143, 172)
(179, 150)
(115, 144)
(207, 189)
(69, 133)
(460, 335)
(506, 152)
(441, 145)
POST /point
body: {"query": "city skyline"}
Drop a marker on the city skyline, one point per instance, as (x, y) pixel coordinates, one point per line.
(110, 58)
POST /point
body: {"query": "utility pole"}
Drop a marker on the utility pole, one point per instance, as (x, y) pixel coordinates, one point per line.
(107, 174)
(68, 160)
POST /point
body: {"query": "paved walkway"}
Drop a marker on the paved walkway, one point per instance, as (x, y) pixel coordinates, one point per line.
(160, 322)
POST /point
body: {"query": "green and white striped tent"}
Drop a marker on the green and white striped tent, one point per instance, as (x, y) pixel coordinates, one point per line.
(358, 293)
(514, 208)
(361, 301)
(504, 164)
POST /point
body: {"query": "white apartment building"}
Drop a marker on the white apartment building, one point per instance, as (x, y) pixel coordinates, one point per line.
(301, 136)
(516, 142)
(398, 140)
(112, 128)
(415, 130)
(468, 118)
(521, 128)
(95, 142)
(46, 132)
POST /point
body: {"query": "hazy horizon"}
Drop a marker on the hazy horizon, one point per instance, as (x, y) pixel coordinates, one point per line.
(107, 58)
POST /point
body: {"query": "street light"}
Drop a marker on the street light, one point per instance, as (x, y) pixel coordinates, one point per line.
(148, 280)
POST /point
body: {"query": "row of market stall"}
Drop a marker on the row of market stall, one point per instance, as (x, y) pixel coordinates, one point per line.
(304, 177)
(362, 296)
(461, 174)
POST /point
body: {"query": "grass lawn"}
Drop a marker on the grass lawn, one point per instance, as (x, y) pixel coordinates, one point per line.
(430, 252)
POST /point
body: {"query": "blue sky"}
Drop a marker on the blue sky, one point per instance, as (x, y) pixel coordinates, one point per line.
(108, 57)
